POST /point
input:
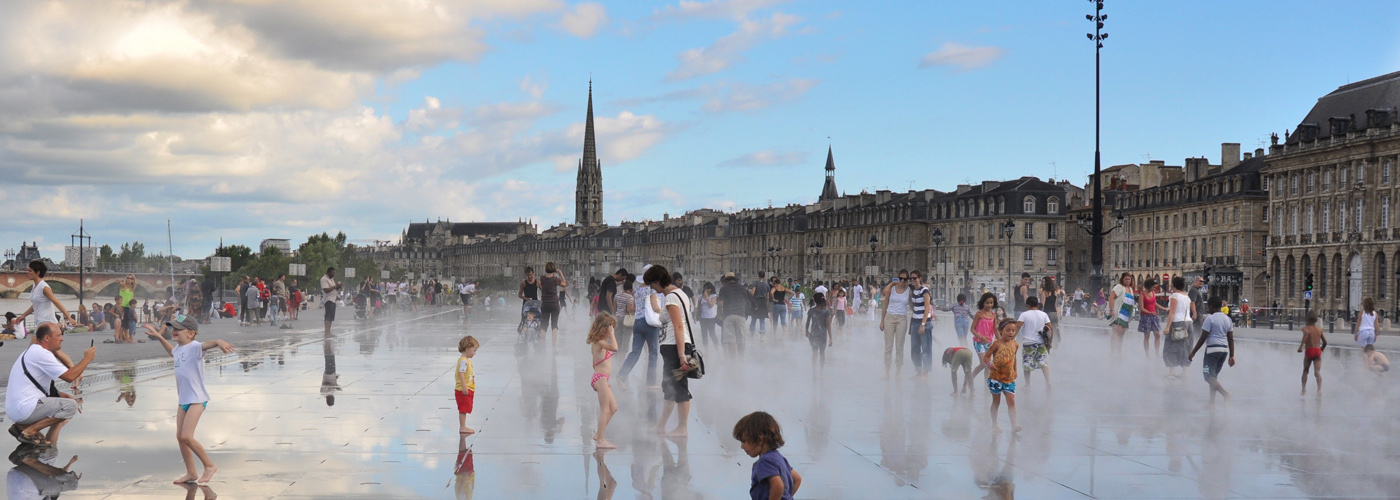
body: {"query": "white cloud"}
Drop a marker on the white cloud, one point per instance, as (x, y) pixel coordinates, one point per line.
(584, 19)
(961, 57)
(723, 53)
(736, 10)
(742, 97)
(432, 116)
(533, 88)
(766, 159)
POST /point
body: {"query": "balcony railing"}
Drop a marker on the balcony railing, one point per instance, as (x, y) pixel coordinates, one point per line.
(1052, 262)
(1289, 240)
(1336, 237)
(1305, 239)
(1028, 262)
(1379, 234)
(1275, 241)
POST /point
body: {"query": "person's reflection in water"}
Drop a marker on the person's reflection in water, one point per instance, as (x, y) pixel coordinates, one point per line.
(607, 486)
(330, 380)
(368, 342)
(998, 481)
(892, 438)
(126, 378)
(465, 470)
(646, 468)
(675, 475)
(34, 476)
(550, 421)
(190, 488)
(1217, 460)
(818, 425)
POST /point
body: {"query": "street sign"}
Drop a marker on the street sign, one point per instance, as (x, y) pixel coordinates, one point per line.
(349, 272)
(1307, 295)
(70, 256)
(221, 264)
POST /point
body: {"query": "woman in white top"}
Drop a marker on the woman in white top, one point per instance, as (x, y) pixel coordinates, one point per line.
(709, 314)
(1181, 314)
(1364, 328)
(674, 350)
(42, 305)
(894, 320)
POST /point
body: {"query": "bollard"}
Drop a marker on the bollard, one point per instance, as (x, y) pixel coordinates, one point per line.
(1332, 325)
(1290, 323)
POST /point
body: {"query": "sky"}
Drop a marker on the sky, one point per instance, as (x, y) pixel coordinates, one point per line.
(249, 119)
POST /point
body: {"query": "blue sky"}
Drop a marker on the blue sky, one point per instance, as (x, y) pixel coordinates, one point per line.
(249, 122)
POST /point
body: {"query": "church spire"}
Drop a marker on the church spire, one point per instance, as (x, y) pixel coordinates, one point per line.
(829, 189)
(588, 194)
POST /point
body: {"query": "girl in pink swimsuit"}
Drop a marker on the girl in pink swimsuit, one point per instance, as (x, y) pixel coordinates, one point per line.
(602, 340)
(983, 327)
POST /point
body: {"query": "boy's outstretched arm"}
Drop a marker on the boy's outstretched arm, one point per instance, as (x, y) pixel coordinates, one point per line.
(225, 346)
(158, 335)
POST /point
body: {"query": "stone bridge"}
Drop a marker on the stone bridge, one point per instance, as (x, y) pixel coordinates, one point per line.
(13, 284)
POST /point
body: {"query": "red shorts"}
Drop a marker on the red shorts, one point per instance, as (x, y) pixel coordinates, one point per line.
(465, 400)
(1312, 353)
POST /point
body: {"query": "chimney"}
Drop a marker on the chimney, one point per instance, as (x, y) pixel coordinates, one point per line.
(1229, 155)
(1258, 152)
(1196, 168)
(963, 188)
(1247, 156)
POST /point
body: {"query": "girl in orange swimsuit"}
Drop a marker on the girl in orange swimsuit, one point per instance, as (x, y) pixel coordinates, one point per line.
(602, 340)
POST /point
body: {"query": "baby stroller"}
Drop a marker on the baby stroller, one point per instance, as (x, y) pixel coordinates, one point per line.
(361, 301)
(529, 329)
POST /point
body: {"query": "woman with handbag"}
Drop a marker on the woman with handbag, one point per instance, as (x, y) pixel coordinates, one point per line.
(676, 352)
(1176, 350)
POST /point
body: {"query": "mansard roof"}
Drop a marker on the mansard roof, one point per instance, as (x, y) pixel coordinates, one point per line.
(1351, 102)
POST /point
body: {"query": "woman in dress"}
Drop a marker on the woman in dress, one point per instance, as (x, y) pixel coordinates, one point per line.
(1181, 314)
(1121, 303)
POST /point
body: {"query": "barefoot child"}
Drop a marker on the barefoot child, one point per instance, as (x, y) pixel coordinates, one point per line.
(959, 358)
(984, 328)
(189, 385)
(1314, 342)
(602, 339)
(1000, 359)
(819, 329)
(773, 478)
(1375, 361)
(1218, 335)
(466, 381)
(1037, 333)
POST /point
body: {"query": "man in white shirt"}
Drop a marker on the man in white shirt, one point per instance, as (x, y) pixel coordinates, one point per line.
(330, 291)
(1036, 333)
(32, 401)
(856, 292)
(821, 288)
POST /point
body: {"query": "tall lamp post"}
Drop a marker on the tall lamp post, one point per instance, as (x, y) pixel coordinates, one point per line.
(81, 236)
(1009, 228)
(773, 259)
(938, 260)
(10, 258)
(1097, 233)
(816, 248)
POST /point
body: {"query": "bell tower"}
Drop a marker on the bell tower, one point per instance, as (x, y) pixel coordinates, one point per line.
(588, 193)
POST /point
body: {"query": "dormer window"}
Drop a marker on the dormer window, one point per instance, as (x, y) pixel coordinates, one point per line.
(1052, 207)
(1028, 205)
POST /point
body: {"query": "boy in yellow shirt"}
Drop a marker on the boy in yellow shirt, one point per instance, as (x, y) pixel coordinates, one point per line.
(466, 381)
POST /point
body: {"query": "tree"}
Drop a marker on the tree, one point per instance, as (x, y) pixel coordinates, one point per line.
(105, 255)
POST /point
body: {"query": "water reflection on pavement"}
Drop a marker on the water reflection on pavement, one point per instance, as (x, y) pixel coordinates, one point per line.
(368, 413)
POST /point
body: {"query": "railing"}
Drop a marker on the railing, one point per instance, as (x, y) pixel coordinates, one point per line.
(1052, 262)
(1305, 239)
(1289, 240)
(1378, 234)
(1028, 262)
(1274, 241)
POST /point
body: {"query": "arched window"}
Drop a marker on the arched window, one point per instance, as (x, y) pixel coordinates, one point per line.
(1052, 207)
(1028, 205)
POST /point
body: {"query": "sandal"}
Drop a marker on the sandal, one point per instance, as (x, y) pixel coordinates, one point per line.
(34, 440)
(16, 430)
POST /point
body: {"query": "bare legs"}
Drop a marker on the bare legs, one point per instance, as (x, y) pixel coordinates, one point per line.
(1116, 343)
(185, 423)
(1044, 370)
(462, 425)
(683, 419)
(1010, 410)
(607, 407)
(1316, 365)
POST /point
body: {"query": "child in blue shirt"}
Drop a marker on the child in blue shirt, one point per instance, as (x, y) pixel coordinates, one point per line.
(773, 478)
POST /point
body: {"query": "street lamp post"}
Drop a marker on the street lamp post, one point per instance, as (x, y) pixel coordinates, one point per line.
(81, 236)
(816, 248)
(10, 258)
(1010, 229)
(1097, 233)
(938, 254)
(773, 259)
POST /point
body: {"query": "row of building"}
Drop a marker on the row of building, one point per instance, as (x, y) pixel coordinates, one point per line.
(1257, 224)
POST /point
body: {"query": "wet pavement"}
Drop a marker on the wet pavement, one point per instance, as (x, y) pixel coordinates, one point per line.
(369, 414)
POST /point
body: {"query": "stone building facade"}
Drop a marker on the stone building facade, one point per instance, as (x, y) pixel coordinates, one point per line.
(1212, 219)
(975, 220)
(1332, 192)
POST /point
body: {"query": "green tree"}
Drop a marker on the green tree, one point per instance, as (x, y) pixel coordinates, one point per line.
(105, 255)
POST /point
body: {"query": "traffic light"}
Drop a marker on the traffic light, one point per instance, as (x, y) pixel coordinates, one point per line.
(1308, 282)
(1207, 275)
